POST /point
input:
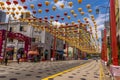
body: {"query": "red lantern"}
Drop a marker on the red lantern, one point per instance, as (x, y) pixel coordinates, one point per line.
(47, 10)
(45, 17)
(39, 5)
(62, 18)
(15, 2)
(46, 21)
(22, 1)
(8, 2)
(65, 13)
(34, 12)
(58, 16)
(40, 18)
(66, 23)
(51, 17)
(25, 7)
(56, 20)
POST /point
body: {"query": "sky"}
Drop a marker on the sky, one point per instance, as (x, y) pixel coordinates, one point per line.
(99, 18)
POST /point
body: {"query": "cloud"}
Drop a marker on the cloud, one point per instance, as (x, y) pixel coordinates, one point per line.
(57, 23)
(62, 2)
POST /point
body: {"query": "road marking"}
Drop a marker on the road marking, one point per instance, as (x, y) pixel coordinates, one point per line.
(60, 73)
(102, 75)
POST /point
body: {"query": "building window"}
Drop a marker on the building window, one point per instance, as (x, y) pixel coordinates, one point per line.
(10, 40)
(21, 28)
(11, 29)
(33, 39)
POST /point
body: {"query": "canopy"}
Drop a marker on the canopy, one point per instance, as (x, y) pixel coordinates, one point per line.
(33, 53)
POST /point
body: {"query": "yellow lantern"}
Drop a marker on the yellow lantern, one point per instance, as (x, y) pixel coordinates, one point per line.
(68, 17)
(15, 18)
(90, 10)
(82, 13)
(70, 4)
(55, 1)
(47, 3)
(7, 12)
(54, 8)
(85, 19)
(88, 6)
(79, 21)
(75, 15)
(19, 7)
(13, 8)
(28, 13)
(79, 1)
(73, 22)
(32, 6)
(8, 8)
(40, 11)
(12, 13)
(72, 11)
(62, 5)
(3, 8)
(79, 9)
(2, 3)
(92, 16)
(22, 13)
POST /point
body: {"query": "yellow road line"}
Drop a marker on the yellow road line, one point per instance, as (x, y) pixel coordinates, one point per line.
(60, 73)
(102, 75)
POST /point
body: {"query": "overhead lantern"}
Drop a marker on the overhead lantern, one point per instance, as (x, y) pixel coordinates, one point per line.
(92, 16)
(70, 4)
(8, 8)
(79, 1)
(51, 17)
(46, 17)
(47, 3)
(79, 9)
(65, 13)
(62, 5)
(54, 8)
(62, 18)
(68, 17)
(34, 12)
(8, 2)
(23, 1)
(85, 19)
(40, 11)
(32, 6)
(58, 16)
(73, 22)
(47, 10)
(15, 2)
(3, 7)
(28, 13)
(7, 12)
(17, 13)
(82, 13)
(55, 1)
(19, 8)
(2, 3)
(88, 6)
(72, 11)
(75, 15)
(56, 20)
(39, 5)
(79, 21)
(90, 10)
(13, 8)
(25, 7)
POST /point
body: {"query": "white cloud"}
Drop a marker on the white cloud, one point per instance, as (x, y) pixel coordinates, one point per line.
(57, 23)
(62, 2)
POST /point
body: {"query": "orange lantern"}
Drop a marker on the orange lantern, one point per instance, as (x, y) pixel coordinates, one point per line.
(70, 4)
(19, 7)
(79, 1)
(85, 19)
(47, 3)
(28, 13)
(88, 6)
(79, 21)
(62, 5)
(55, 1)
(7, 12)
(12, 13)
(22, 13)
(79, 9)
(54, 8)
(72, 11)
(73, 22)
(32, 6)
(2, 3)
(40, 11)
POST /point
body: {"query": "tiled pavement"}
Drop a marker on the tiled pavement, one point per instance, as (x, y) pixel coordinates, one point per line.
(37, 71)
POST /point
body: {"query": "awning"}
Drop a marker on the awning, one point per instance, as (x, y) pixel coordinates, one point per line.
(60, 51)
(33, 53)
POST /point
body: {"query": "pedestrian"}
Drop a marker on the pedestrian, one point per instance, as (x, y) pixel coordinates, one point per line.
(46, 54)
(18, 58)
(6, 60)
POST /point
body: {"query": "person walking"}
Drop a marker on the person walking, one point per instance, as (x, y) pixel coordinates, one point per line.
(46, 54)
(18, 58)
(6, 60)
